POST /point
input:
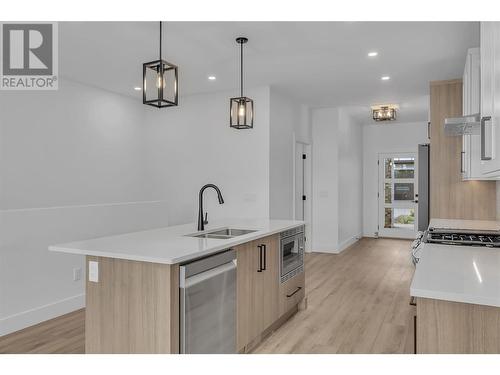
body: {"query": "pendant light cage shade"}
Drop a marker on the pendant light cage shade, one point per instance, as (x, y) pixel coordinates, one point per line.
(241, 110)
(384, 113)
(160, 81)
(160, 84)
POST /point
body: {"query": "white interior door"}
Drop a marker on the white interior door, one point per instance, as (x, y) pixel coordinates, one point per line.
(397, 194)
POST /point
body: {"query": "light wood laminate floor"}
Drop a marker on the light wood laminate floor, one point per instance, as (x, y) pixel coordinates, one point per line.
(358, 302)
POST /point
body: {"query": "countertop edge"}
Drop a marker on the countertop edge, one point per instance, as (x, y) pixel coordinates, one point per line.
(144, 258)
(454, 297)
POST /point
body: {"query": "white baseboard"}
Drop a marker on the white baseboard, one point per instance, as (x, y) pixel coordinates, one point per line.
(345, 244)
(40, 314)
(331, 249)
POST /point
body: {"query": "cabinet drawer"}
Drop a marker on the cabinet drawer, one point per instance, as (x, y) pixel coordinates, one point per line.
(291, 292)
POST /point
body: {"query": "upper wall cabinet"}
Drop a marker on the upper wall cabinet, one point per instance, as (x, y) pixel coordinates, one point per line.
(490, 99)
(470, 163)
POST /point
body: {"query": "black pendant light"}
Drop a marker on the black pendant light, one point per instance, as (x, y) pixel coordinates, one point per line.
(241, 108)
(160, 82)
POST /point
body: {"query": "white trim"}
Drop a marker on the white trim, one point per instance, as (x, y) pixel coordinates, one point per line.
(350, 241)
(40, 314)
(80, 206)
(332, 249)
(307, 149)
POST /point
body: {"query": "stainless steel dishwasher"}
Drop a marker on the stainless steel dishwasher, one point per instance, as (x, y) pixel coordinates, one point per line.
(208, 304)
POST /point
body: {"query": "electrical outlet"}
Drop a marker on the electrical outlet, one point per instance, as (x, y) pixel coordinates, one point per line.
(77, 274)
(93, 271)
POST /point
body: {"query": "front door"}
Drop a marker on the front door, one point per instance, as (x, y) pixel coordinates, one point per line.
(397, 195)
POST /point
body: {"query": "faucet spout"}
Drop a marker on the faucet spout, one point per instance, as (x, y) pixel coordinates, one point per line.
(201, 221)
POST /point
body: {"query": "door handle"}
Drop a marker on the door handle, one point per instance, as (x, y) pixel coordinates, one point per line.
(296, 290)
(483, 137)
(264, 250)
(260, 258)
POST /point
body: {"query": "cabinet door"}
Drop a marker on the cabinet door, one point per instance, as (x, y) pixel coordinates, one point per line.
(490, 109)
(271, 283)
(249, 294)
(471, 144)
(466, 89)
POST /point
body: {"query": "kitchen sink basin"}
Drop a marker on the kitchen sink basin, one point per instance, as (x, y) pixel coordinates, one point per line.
(223, 233)
(232, 232)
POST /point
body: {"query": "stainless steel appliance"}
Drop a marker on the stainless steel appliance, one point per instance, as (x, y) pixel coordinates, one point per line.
(208, 304)
(463, 237)
(423, 186)
(291, 253)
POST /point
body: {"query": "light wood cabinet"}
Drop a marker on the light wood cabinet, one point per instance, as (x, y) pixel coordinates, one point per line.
(134, 308)
(450, 197)
(292, 292)
(258, 288)
(248, 286)
(456, 328)
(271, 277)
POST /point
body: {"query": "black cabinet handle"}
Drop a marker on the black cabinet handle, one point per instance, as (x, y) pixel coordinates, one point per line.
(260, 258)
(264, 247)
(413, 301)
(296, 290)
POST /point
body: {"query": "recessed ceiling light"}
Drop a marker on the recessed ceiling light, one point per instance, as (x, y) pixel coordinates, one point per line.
(211, 78)
(137, 89)
(372, 54)
(385, 78)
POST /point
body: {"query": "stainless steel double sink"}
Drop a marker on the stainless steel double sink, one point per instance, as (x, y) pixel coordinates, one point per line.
(222, 234)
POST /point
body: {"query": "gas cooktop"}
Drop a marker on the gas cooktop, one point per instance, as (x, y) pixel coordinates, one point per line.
(463, 238)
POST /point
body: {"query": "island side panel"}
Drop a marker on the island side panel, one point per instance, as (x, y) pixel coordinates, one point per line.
(133, 308)
(445, 327)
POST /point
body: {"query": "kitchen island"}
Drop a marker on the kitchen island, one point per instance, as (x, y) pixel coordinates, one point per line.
(457, 291)
(132, 285)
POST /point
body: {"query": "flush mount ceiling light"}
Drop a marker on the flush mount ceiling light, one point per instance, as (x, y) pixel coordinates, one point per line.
(159, 82)
(211, 78)
(372, 54)
(241, 108)
(385, 112)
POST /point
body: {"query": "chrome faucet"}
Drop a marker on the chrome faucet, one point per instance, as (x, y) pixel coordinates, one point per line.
(202, 221)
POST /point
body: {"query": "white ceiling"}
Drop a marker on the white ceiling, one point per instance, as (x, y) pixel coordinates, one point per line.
(317, 63)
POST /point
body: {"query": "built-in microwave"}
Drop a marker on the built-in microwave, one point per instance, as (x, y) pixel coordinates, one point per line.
(291, 253)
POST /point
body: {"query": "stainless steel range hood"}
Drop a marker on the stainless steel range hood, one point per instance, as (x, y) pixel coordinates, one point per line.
(462, 125)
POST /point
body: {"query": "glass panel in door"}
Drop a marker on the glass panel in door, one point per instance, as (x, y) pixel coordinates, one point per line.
(397, 192)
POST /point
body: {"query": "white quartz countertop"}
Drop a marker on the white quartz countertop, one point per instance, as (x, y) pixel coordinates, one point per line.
(458, 273)
(170, 245)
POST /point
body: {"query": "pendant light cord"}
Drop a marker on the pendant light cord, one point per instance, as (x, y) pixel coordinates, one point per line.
(241, 69)
(160, 39)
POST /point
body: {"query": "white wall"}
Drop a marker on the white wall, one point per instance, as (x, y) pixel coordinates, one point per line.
(325, 180)
(72, 166)
(191, 145)
(284, 121)
(384, 138)
(81, 162)
(337, 180)
(350, 179)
